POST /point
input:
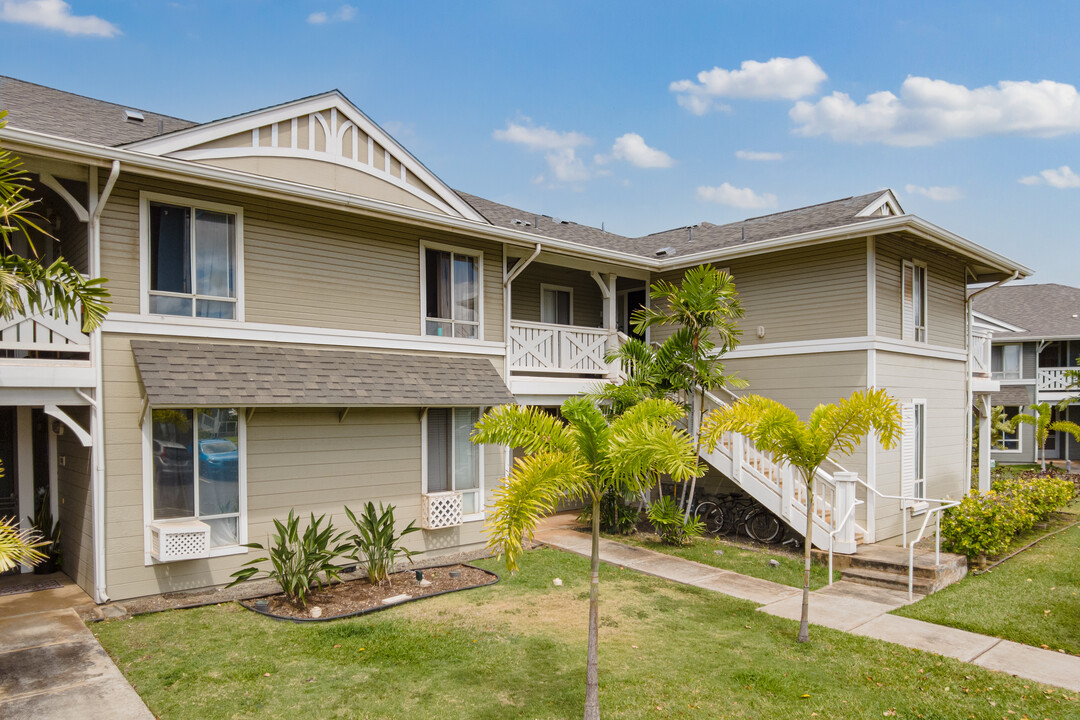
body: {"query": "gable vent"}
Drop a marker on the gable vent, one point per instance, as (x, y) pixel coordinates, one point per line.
(133, 116)
(664, 252)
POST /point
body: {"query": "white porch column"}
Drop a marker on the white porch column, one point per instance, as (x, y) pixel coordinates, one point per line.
(983, 405)
(843, 510)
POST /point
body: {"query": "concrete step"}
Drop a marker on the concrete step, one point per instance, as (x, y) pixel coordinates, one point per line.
(889, 580)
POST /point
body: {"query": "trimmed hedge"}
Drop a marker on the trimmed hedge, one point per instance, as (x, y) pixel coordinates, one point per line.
(983, 524)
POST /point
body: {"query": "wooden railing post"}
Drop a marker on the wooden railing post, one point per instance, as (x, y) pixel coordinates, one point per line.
(737, 457)
(787, 491)
(843, 509)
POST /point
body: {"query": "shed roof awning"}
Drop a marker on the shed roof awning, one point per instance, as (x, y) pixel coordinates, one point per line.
(1012, 395)
(225, 374)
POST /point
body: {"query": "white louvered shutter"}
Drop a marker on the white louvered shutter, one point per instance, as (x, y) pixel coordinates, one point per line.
(907, 455)
(907, 292)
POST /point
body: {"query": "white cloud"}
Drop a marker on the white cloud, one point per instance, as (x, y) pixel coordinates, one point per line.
(566, 166)
(631, 147)
(936, 192)
(758, 156)
(345, 13)
(732, 196)
(540, 138)
(929, 111)
(778, 78)
(55, 15)
(1061, 178)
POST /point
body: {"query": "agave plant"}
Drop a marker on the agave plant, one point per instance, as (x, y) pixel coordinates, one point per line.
(376, 545)
(298, 562)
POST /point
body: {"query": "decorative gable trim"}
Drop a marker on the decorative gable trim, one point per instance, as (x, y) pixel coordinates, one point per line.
(885, 205)
(327, 128)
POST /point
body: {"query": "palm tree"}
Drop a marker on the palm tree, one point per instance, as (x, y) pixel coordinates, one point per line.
(704, 307)
(777, 429)
(582, 455)
(17, 546)
(1040, 416)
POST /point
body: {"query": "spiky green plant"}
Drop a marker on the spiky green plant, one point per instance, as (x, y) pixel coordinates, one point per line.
(777, 429)
(1040, 416)
(18, 546)
(582, 455)
(375, 542)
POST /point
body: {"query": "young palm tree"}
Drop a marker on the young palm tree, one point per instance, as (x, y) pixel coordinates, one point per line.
(777, 429)
(17, 546)
(1039, 415)
(704, 307)
(584, 455)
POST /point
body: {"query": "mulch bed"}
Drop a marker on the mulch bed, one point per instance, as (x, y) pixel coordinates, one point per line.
(356, 597)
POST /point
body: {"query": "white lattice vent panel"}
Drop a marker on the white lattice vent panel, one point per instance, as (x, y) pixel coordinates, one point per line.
(440, 510)
(184, 540)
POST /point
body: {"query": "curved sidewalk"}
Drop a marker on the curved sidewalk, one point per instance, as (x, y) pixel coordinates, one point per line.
(847, 606)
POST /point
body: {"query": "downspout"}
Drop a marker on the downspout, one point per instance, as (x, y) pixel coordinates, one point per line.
(969, 326)
(96, 406)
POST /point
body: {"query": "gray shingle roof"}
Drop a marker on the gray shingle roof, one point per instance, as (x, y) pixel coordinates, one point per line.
(705, 236)
(220, 374)
(55, 112)
(1012, 395)
(1043, 310)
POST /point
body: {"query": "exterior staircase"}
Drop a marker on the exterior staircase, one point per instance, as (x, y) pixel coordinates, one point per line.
(886, 566)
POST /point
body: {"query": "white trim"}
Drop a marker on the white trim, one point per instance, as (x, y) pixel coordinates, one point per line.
(211, 329)
(425, 245)
(556, 288)
(829, 345)
(924, 300)
(148, 483)
(51, 182)
(145, 198)
(993, 323)
(886, 199)
(177, 142)
(480, 489)
(1019, 436)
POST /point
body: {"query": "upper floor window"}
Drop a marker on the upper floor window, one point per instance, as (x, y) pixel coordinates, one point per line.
(914, 298)
(192, 253)
(1005, 361)
(556, 305)
(452, 292)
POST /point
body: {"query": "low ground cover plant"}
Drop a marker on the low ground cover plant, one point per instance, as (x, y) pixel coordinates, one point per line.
(671, 524)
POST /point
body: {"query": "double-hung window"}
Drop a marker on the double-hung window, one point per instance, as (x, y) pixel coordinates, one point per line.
(452, 293)
(196, 474)
(913, 452)
(914, 301)
(1005, 361)
(453, 462)
(192, 260)
(556, 305)
(1010, 441)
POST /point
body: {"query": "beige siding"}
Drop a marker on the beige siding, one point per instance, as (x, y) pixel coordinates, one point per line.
(804, 294)
(946, 289)
(305, 266)
(942, 384)
(75, 503)
(525, 294)
(297, 458)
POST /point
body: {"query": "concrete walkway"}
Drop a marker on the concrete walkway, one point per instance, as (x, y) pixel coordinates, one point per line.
(51, 665)
(847, 606)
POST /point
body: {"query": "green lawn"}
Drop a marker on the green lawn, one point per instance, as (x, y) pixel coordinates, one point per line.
(1032, 598)
(737, 558)
(517, 649)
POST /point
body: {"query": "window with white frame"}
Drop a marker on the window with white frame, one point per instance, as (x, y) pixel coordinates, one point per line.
(1005, 361)
(452, 292)
(1011, 440)
(453, 462)
(556, 305)
(914, 301)
(196, 471)
(913, 452)
(192, 259)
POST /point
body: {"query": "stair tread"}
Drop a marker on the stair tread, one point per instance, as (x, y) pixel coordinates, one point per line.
(891, 579)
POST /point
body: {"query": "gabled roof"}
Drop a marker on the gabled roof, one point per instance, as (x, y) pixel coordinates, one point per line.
(700, 238)
(55, 112)
(1043, 311)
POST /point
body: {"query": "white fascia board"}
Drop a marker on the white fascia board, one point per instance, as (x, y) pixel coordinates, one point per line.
(42, 375)
(190, 137)
(237, 181)
(992, 323)
(848, 344)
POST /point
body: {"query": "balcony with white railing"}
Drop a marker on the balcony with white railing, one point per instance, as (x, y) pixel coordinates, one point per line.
(1055, 379)
(546, 348)
(40, 350)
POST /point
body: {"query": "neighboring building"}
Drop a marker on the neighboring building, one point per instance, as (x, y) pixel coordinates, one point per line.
(1035, 339)
(304, 316)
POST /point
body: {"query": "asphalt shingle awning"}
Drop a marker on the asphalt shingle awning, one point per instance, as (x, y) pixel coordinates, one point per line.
(1012, 395)
(221, 374)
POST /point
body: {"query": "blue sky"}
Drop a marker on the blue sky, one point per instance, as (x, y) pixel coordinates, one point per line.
(639, 115)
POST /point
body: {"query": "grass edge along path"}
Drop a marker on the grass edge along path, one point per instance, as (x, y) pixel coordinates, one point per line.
(517, 649)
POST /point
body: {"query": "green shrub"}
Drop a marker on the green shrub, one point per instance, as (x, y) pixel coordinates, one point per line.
(376, 545)
(617, 514)
(1040, 495)
(982, 524)
(297, 561)
(670, 522)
